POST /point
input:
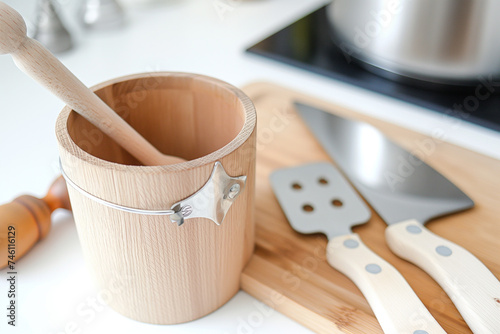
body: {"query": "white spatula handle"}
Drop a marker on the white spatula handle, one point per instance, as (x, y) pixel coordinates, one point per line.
(474, 290)
(395, 304)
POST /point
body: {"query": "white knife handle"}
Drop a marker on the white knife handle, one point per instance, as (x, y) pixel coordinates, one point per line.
(474, 290)
(395, 304)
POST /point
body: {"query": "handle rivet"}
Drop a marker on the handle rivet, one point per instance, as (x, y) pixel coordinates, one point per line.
(373, 268)
(351, 243)
(443, 250)
(413, 229)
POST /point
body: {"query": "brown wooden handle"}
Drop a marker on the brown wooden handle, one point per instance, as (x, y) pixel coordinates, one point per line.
(37, 62)
(27, 218)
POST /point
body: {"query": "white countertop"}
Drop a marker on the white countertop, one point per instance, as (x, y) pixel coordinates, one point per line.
(207, 37)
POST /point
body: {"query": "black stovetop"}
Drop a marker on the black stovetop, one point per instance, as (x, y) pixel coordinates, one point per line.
(307, 44)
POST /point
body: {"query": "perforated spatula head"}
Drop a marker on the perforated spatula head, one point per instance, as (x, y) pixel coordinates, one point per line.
(316, 198)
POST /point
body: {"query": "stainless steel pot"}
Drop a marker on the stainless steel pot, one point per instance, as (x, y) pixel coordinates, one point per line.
(443, 41)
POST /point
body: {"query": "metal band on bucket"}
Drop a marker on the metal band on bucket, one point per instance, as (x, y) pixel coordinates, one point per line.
(212, 201)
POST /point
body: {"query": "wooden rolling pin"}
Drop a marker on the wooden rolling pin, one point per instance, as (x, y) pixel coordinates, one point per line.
(36, 61)
(30, 220)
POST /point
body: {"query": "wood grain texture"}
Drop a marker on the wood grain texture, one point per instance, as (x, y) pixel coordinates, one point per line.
(40, 64)
(30, 226)
(12, 29)
(30, 218)
(289, 271)
(153, 270)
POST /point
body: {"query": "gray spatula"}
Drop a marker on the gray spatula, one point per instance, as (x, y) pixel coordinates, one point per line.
(317, 199)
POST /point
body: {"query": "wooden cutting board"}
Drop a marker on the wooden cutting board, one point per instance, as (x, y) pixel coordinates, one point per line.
(289, 271)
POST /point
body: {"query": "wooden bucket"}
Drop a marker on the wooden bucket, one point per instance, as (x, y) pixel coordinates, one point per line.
(148, 268)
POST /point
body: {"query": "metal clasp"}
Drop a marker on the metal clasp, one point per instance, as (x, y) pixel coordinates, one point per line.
(213, 200)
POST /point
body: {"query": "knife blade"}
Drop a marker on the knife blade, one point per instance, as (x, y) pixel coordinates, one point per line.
(406, 192)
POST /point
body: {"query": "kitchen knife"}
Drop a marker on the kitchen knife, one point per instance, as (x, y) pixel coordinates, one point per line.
(406, 193)
(317, 198)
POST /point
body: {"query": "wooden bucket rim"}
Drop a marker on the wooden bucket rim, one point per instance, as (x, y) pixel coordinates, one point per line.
(250, 119)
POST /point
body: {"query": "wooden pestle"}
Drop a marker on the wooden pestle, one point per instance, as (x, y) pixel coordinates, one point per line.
(30, 217)
(36, 61)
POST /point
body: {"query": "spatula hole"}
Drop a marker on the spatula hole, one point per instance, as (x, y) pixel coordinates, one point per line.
(296, 186)
(323, 181)
(337, 203)
(308, 208)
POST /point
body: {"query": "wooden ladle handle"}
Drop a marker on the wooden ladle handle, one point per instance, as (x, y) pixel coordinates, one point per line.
(26, 220)
(36, 61)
